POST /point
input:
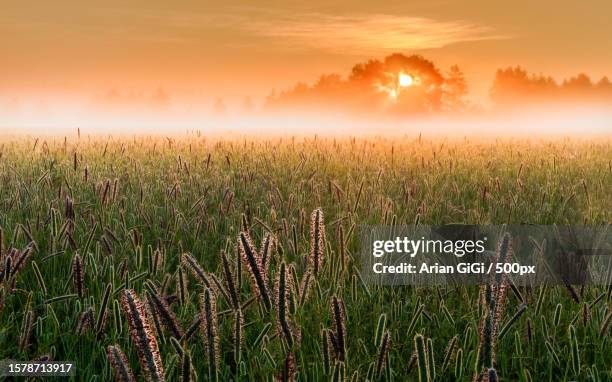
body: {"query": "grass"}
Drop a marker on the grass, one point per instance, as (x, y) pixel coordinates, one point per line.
(124, 211)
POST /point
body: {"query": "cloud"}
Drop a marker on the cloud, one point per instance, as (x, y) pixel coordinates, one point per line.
(362, 34)
(285, 29)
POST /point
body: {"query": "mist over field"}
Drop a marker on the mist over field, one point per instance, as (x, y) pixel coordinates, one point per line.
(395, 96)
(539, 121)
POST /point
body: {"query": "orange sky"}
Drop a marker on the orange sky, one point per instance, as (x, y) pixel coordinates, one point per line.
(238, 48)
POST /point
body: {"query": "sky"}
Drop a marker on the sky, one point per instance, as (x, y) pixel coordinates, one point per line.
(247, 48)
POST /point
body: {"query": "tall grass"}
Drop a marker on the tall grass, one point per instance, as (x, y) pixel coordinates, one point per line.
(132, 257)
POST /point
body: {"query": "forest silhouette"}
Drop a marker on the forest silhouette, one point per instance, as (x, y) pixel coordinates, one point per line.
(375, 86)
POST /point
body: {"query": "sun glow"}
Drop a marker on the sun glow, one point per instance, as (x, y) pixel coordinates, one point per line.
(405, 80)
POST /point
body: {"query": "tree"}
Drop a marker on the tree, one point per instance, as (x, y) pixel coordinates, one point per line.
(455, 89)
(372, 86)
(579, 82)
(515, 85)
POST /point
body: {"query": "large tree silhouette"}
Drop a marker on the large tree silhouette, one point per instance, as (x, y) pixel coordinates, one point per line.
(374, 87)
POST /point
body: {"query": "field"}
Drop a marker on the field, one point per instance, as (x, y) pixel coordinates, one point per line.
(183, 225)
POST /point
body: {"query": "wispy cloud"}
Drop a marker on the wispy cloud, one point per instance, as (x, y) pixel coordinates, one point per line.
(362, 34)
(357, 34)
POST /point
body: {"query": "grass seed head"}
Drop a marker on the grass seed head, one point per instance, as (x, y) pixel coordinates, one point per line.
(182, 286)
(163, 311)
(326, 345)
(283, 288)
(19, 260)
(419, 346)
(252, 261)
(289, 370)
(492, 375)
(317, 241)
(142, 336)
(27, 330)
(230, 281)
(267, 250)
(78, 275)
(192, 265)
(339, 319)
(120, 365)
(85, 321)
(383, 352)
(210, 332)
(238, 335)
(305, 286)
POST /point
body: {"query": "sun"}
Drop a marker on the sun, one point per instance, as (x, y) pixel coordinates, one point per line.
(405, 80)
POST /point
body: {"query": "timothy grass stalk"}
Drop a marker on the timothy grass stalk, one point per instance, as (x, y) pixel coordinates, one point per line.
(317, 241)
(419, 345)
(142, 336)
(253, 263)
(120, 365)
(210, 332)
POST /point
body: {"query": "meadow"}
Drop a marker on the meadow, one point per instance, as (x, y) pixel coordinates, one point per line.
(197, 258)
